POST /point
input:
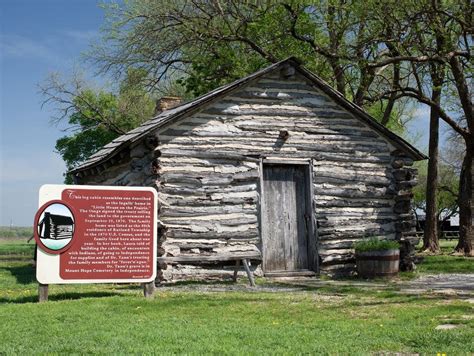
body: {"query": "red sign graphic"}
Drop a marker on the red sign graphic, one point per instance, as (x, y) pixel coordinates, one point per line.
(113, 235)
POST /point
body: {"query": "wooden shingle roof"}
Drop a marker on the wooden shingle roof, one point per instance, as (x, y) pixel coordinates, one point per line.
(120, 143)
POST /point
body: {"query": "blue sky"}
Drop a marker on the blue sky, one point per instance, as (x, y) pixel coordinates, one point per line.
(38, 37)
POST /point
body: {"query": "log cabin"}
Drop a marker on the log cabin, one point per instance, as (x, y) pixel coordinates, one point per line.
(277, 167)
(56, 227)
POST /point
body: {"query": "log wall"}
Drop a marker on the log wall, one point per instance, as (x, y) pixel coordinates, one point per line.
(207, 169)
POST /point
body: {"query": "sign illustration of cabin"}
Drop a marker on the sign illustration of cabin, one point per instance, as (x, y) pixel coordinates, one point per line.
(276, 166)
(55, 227)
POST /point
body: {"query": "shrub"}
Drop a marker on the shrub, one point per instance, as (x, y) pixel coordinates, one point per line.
(373, 244)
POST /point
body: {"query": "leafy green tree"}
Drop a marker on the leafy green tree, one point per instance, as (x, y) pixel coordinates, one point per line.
(440, 76)
(95, 117)
(214, 42)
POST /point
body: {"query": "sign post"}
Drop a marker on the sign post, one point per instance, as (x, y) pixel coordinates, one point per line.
(96, 234)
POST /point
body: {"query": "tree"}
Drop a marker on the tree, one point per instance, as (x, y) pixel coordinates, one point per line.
(214, 42)
(443, 38)
(95, 117)
(453, 154)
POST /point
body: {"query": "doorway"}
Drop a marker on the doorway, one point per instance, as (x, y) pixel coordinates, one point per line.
(289, 247)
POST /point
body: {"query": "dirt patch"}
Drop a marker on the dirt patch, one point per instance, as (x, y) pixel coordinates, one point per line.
(446, 327)
(449, 284)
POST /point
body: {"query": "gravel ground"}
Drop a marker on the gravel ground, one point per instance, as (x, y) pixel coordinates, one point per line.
(453, 283)
(456, 284)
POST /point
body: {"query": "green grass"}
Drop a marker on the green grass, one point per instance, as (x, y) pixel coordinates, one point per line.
(16, 249)
(15, 231)
(445, 262)
(374, 244)
(117, 319)
(332, 319)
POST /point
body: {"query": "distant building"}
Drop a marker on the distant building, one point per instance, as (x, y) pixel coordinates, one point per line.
(451, 224)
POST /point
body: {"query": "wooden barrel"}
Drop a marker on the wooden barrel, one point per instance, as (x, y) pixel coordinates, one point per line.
(372, 264)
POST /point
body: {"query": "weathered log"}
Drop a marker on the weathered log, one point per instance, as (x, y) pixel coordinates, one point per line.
(374, 181)
(202, 200)
(345, 191)
(402, 207)
(397, 163)
(404, 226)
(211, 258)
(337, 234)
(352, 203)
(291, 145)
(244, 190)
(249, 234)
(338, 269)
(185, 211)
(206, 219)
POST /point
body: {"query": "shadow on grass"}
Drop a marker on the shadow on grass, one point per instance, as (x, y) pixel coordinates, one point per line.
(24, 274)
(61, 296)
(176, 300)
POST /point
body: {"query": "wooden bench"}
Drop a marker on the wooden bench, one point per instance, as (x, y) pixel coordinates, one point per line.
(239, 258)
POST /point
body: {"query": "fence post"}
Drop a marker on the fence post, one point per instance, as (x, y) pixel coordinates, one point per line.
(148, 289)
(43, 290)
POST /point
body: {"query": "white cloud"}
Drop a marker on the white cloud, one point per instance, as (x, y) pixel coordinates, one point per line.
(22, 47)
(50, 49)
(81, 36)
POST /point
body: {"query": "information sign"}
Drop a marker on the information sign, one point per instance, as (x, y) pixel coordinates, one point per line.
(96, 234)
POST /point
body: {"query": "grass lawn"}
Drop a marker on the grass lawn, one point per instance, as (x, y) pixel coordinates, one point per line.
(16, 249)
(445, 262)
(15, 231)
(117, 319)
(324, 320)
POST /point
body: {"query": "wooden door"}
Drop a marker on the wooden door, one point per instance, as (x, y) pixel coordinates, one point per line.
(286, 218)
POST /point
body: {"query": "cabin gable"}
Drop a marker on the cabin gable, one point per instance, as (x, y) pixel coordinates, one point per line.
(210, 166)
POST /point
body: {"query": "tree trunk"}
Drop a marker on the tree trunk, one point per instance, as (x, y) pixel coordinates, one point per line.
(335, 38)
(338, 73)
(430, 238)
(391, 100)
(466, 230)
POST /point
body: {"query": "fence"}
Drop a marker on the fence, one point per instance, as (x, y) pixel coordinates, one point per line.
(445, 235)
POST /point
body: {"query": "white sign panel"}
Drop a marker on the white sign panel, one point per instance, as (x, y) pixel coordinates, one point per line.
(96, 234)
